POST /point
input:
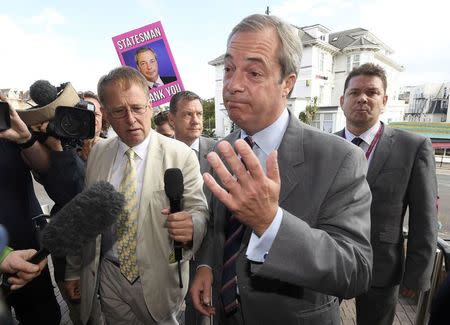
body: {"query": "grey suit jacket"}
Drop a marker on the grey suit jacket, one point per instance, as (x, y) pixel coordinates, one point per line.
(206, 145)
(402, 175)
(322, 248)
(159, 278)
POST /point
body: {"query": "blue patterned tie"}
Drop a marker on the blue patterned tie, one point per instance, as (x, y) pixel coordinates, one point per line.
(234, 231)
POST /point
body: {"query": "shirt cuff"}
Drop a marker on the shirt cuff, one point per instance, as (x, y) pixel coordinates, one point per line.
(259, 247)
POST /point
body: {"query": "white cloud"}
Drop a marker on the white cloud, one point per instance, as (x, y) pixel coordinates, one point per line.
(48, 18)
(417, 31)
(28, 56)
(291, 9)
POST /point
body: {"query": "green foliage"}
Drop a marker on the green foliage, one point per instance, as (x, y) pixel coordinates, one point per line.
(209, 117)
(307, 116)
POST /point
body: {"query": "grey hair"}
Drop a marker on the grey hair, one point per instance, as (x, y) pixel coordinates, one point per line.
(290, 53)
(124, 77)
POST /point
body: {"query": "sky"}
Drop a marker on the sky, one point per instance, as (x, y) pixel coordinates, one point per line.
(63, 41)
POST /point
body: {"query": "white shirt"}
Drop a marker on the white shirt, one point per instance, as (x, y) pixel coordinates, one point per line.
(115, 177)
(266, 141)
(367, 138)
(196, 145)
(158, 81)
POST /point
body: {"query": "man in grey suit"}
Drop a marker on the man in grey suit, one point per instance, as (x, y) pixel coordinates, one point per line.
(401, 175)
(186, 119)
(298, 207)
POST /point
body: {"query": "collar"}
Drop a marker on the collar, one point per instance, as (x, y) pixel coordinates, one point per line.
(269, 139)
(196, 145)
(366, 136)
(140, 150)
(159, 81)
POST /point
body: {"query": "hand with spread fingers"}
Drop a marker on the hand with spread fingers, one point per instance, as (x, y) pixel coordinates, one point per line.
(248, 193)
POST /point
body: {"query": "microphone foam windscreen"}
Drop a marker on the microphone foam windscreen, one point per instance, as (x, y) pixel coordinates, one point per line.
(43, 92)
(173, 183)
(87, 215)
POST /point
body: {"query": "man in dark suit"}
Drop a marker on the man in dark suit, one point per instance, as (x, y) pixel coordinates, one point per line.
(291, 225)
(147, 64)
(19, 151)
(186, 118)
(401, 175)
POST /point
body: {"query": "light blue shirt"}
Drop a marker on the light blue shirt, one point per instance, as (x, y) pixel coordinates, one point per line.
(266, 141)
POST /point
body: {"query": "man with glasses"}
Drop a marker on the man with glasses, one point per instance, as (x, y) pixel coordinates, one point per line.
(136, 274)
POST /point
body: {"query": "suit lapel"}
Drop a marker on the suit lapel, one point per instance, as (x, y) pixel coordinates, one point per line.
(381, 153)
(290, 160)
(153, 179)
(109, 154)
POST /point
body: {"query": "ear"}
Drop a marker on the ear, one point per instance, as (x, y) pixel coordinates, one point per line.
(104, 113)
(385, 99)
(341, 101)
(289, 83)
(170, 118)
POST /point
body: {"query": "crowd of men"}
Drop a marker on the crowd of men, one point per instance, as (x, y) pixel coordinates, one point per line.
(279, 221)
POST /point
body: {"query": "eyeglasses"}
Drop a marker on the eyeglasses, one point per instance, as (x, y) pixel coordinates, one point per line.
(122, 112)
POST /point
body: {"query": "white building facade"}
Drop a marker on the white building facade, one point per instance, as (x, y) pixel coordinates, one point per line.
(327, 59)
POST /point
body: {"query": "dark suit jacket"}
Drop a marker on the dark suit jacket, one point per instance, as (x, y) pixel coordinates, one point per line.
(206, 145)
(322, 248)
(402, 175)
(168, 79)
(18, 201)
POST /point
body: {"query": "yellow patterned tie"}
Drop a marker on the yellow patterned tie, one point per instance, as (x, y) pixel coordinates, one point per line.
(127, 221)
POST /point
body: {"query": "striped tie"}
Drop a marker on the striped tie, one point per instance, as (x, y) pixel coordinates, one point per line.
(127, 222)
(234, 231)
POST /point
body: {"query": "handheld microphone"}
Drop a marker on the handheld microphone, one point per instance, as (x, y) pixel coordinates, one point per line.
(43, 92)
(87, 215)
(174, 188)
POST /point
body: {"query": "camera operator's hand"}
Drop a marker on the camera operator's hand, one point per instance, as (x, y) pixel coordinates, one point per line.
(16, 263)
(18, 132)
(52, 143)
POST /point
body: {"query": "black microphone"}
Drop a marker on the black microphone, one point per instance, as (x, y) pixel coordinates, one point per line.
(174, 188)
(43, 92)
(87, 215)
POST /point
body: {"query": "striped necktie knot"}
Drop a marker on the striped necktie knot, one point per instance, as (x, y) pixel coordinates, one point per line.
(249, 141)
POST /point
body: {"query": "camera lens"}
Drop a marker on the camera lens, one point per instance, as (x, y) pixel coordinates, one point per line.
(71, 125)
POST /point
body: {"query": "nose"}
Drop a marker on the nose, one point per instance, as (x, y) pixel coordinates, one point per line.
(130, 118)
(235, 83)
(362, 99)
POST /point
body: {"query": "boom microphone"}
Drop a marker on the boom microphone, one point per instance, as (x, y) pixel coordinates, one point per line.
(43, 92)
(174, 188)
(87, 215)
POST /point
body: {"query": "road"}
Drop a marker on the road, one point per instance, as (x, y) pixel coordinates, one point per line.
(444, 203)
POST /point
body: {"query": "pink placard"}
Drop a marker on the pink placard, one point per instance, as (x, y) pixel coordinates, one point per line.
(152, 37)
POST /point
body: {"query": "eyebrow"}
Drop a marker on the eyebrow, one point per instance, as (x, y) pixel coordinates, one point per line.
(248, 58)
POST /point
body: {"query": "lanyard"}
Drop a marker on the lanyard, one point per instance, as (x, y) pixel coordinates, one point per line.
(374, 141)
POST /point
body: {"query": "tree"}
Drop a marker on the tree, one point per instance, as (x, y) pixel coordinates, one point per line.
(209, 117)
(307, 116)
